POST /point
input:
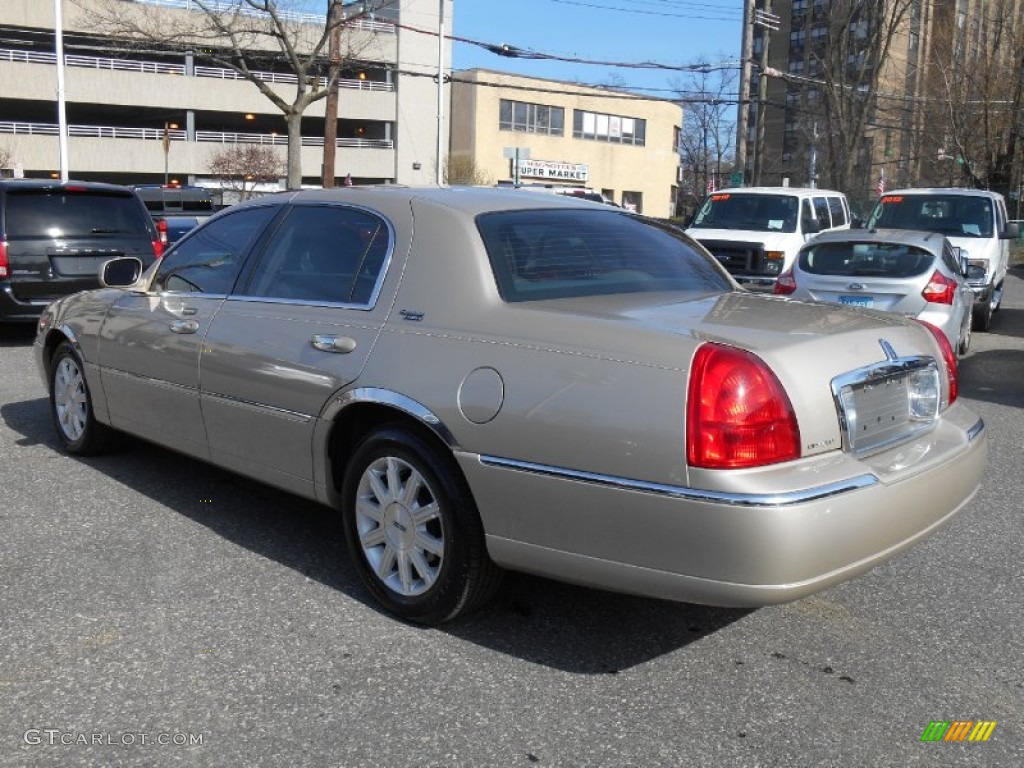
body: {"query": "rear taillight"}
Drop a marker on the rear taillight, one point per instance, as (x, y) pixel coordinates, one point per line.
(785, 284)
(940, 289)
(4, 265)
(949, 358)
(737, 413)
(161, 230)
(158, 248)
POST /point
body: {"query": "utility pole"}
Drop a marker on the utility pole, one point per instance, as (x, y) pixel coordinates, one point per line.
(743, 114)
(331, 106)
(812, 171)
(768, 22)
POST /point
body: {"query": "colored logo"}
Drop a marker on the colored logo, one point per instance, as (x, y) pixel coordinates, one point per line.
(958, 730)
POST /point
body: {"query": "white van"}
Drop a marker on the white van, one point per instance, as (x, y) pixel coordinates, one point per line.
(974, 220)
(755, 232)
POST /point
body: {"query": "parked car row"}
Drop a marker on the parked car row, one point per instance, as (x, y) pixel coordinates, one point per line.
(804, 244)
(55, 236)
(477, 381)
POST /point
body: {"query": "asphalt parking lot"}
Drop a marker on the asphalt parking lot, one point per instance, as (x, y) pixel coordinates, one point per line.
(158, 612)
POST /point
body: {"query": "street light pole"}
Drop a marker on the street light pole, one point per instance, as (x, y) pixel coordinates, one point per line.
(62, 118)
(440, 91)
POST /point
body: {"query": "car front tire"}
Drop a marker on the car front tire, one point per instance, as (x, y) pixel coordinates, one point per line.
(71, 406)
(412, 528)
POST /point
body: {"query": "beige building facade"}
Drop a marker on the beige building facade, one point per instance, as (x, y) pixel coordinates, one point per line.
(147, 116)
(507, 128)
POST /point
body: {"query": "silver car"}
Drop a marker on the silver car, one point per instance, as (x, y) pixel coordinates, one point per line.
(917, 274)
(477, 381)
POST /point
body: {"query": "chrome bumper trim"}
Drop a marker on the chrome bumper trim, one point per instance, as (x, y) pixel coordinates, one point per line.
(690, 494)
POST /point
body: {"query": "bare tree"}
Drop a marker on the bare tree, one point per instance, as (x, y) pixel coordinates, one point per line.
(975, 131)
(241, 167)
(462, 169)
(247, 37)
(6, 159)
(846, 55)
(706, 140)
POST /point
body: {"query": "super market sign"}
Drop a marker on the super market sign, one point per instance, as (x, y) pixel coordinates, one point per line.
(542, 169)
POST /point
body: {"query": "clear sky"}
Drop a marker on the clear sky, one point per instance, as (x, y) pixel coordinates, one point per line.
(674, 33)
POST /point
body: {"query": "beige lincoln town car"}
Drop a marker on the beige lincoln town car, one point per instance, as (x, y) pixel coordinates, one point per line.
(479, 380)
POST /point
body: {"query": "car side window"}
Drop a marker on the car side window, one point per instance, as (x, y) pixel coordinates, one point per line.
(821, 211)
(209, 261)
(322, 254)
(835, 205)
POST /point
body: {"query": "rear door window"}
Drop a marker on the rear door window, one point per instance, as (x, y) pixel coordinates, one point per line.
(325, 254)
(835, 206)
(67, 212)
(821, 211)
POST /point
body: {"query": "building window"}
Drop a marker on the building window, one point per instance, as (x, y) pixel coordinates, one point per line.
(530, 118)
(613, 128)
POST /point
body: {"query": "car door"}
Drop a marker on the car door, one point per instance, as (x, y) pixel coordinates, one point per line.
(151, 342)
(299, 328)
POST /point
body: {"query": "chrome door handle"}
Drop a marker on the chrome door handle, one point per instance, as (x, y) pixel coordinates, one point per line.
(329, 343)
(184, 326)
(188, 310)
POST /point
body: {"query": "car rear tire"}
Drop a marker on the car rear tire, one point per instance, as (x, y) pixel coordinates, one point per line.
(412, 528)
(71, 406)
(982, 317)
(965, 339)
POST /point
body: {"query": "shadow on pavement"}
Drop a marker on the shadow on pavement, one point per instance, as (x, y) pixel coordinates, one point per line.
(556, 625)
(983, 375)
(17, 334)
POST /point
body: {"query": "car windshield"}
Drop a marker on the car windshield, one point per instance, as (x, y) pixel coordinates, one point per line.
(73, 213)
(552, 254)
(757, 213)
(952, 215)
(865, 259)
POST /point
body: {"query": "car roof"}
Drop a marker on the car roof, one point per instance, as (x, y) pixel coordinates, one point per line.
(931, 241)
(470, 200)
(961, 191)
(56, 184)
(806, 191)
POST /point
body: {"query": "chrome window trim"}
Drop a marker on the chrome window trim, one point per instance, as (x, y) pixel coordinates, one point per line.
(690, 494)
(892, 366)
(299, 302)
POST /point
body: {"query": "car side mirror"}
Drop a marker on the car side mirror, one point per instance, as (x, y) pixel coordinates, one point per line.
(811, 226)
(1012, 231)
(121, 272)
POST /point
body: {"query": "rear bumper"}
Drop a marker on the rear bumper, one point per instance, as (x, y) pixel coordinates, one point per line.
(13, 309)
(746, 551)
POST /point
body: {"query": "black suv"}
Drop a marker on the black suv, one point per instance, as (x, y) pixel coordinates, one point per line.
(54, 236)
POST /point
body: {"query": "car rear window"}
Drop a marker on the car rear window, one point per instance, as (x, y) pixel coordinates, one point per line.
(853, 259)
(73, 213)
(550, 254)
